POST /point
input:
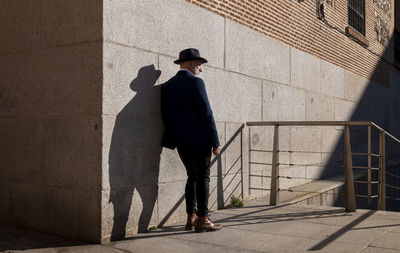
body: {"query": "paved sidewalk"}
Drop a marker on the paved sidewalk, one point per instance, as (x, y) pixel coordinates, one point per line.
(258, 228)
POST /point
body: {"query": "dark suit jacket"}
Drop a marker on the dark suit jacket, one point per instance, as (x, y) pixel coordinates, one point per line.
(186, 113)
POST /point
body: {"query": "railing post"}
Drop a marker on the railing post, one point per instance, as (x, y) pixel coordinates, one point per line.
(369, 166)
(350, 199)
(381, 174)
(241, 161)
(249, 155)
(274, 196)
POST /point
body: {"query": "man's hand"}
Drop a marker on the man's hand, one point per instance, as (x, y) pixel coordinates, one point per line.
(216, 151)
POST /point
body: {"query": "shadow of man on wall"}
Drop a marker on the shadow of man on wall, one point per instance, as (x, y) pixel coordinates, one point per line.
(134, 156)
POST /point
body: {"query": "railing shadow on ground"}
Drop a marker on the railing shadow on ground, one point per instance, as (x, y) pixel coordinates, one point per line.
(261, 216)
(244, 219)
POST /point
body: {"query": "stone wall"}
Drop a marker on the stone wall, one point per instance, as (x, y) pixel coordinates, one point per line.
(249, 77)
(50, 107)
(81, 124)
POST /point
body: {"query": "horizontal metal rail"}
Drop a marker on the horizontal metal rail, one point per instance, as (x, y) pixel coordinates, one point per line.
(323, 123)
(349, 179)
(311, 123)
(365, 182)
(376, 155)
(261, 189)
(259, 176)
(392, 175)
(366, 196)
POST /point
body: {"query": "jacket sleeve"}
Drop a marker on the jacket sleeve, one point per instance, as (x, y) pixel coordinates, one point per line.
(205, 113)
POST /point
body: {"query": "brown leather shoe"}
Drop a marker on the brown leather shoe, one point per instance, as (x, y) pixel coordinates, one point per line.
(191, 218)
(204, 224)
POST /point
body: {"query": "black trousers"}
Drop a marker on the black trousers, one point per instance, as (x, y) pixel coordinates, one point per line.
(197, 164)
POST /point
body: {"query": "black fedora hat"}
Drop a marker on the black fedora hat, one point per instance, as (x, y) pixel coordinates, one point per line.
(190, 54)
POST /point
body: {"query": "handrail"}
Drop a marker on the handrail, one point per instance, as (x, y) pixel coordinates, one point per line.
(307, 123)
(349, 186)
(322, 123)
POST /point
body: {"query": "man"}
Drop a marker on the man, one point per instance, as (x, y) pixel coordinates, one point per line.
(190, 127)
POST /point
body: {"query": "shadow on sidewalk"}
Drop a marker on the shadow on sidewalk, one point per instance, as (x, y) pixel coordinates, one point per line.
(16, 238)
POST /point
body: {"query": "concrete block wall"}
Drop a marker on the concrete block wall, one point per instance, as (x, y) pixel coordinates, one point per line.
(50, 107)
(249, 77)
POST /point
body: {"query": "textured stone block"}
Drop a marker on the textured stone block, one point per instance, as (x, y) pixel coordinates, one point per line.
(284, 158)
(259, 177)
(19, 150)
(319, 107)
(65, 211)
(332, 79)
(233, 97)
(259, 185)
(171, 202)
(305, 70)
(296, 171)
(374, 105)
(344, 110)
(333, 164)
(257, 169)
(130, 78)
(16, 100)
(300, 158)
(261, 137)
(134, 152)
(70, 22)
(292, 176)
(314, 172)
(305, 139)
(266, 58)
(171, 166)
(332, 139)
(71, 153)
(354, 86)
(19, 25)
(61, 81)
(127, 22)
(70, 80)
(234, 148)
(261, 157)
(281, 102)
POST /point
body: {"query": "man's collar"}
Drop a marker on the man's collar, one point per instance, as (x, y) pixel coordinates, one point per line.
(188, 71)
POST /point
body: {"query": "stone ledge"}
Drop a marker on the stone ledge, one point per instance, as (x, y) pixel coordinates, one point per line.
(356, 35)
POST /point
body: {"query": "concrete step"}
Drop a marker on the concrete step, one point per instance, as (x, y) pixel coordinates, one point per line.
(326, 192)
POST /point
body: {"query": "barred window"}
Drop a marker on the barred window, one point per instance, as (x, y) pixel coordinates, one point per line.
(357, 15)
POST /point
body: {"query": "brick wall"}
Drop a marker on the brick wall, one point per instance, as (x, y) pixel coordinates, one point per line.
(296, 23)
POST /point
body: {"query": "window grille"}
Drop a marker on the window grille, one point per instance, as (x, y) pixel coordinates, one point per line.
(357, 15)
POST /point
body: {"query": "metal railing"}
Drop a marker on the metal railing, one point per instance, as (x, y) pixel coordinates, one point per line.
(350, 195)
